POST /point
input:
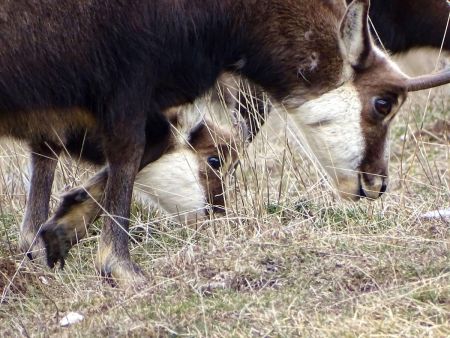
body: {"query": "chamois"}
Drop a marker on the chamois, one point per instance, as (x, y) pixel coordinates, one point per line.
(419, 24)
(125, 63)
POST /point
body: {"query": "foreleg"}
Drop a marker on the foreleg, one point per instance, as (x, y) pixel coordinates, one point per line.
(43, 166)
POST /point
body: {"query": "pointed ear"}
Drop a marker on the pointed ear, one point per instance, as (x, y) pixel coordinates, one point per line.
(246, 103)
(186, 120)
(355, 38)
(251, 111)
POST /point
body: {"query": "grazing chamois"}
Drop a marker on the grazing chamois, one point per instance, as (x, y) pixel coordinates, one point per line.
(419, 24)
(124, 63)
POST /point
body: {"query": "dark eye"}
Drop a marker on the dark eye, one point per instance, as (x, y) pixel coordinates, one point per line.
(383, 106)
(214, 162)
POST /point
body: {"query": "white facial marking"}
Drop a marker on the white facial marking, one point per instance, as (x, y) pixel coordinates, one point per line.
(173, 183)
(332, 126)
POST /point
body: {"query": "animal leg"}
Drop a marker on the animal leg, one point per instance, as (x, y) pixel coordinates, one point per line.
(130, 116)
(43, 165)
(79, 208)
(113, 258)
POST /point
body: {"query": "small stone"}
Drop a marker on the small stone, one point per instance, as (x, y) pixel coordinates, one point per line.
(44, 280)
(71, 318)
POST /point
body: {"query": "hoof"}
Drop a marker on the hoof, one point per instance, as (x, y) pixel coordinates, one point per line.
(123, 274)
(57, 245)
(68, 225)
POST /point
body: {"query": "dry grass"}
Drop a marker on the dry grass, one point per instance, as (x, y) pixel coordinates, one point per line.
(288, 260)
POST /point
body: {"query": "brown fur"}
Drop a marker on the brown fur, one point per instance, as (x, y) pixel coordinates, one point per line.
(402, 25)
(91, 55)
(46, 132)
(51, 125)
(377, 81)
(79, 209)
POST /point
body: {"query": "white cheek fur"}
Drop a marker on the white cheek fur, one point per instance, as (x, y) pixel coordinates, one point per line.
(332, 126)
(172, 182)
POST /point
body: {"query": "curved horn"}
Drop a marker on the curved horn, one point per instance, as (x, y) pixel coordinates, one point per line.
(428, 81)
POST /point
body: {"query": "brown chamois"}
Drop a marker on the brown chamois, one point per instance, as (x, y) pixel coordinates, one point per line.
(126, 63)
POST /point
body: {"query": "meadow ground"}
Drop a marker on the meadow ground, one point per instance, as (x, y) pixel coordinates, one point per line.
(289, 259)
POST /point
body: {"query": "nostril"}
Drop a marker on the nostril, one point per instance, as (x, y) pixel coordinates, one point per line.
(361, 192)
(383, 188)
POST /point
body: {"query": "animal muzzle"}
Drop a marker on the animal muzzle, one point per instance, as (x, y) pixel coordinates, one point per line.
(372, 186)
(362, 185)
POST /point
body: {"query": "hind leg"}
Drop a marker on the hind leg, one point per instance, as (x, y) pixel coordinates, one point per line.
(43, 165)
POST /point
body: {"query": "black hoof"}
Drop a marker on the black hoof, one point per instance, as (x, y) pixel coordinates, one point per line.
(57, 246)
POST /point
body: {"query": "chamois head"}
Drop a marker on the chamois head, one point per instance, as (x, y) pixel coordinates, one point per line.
(347, 128)
(188, 179)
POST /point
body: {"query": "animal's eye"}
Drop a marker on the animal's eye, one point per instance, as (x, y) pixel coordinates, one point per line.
(214, 162)
(383, 106)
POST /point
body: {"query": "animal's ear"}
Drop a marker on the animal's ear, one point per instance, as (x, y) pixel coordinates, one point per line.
(251, 111)
(226, 91)
(185, 120)
(356, 41)
(246, 103)
(172, 115)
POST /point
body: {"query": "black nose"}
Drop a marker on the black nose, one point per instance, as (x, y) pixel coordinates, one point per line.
(383, 188)
(361, 192)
